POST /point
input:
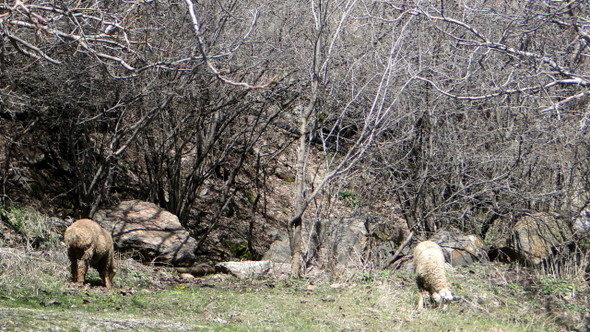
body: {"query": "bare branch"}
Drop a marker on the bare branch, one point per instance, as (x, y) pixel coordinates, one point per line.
(41, 54)
(201, 48)
(485, 42)
(576, 81)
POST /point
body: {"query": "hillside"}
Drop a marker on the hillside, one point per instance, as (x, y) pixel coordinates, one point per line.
(326, 138)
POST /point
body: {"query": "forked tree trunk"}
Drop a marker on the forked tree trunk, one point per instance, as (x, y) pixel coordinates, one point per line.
(301, 201)
(296, 222)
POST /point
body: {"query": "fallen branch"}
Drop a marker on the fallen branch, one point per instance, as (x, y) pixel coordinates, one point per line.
(400, 249)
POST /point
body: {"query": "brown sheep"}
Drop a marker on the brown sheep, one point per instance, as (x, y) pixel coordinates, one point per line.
(90, 244)
(430, 273)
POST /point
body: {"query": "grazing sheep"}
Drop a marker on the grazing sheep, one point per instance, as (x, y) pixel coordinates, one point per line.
(430, 273)
(90, 244)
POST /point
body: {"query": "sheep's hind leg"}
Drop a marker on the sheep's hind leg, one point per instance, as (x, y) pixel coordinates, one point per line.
(105, 275)
(106, 282)
(81, 271)
(421, 295)
(74, 270)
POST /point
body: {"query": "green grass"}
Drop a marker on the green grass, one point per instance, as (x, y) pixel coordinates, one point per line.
(280, 307)
(35, 294)
(349, 197)
(32, 225)
(380, 303)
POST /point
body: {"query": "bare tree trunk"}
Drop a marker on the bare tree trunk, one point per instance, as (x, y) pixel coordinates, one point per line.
(296, 222)
(295, 225)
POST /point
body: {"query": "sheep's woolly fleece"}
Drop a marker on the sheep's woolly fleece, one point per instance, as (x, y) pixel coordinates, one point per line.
(430, 272)
(90, 245)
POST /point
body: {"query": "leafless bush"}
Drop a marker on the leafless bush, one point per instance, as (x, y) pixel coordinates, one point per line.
(462, 113)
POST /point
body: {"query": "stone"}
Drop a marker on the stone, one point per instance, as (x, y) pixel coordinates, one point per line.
(149, 233)
(535, 235)
(582, 224)
(279, 251)
(354, 242)
(460, 249)
(280, 269)
(186, 276)
(338, 244)
(244, 269)
(385, 239)
(59, 223)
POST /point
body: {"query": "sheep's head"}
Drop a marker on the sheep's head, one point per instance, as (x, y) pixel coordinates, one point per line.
(444, 295)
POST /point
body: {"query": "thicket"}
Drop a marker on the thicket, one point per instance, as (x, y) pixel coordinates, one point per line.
(464, 113)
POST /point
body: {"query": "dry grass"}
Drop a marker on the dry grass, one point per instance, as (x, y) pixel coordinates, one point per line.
(25, 272)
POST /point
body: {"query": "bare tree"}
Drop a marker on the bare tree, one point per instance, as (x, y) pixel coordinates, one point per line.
(500, 106)
(347, 107)
(462, 112)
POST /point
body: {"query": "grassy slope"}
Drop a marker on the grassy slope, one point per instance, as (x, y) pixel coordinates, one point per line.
(34, 295)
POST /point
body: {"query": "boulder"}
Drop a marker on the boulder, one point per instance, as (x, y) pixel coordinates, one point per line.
(280, 269)
(335, 244)
(582, 224)
(535, 235)
(385, 239)
(460, 249)
(279, 251)
(244, 269)
(149, 233)
(353, 242)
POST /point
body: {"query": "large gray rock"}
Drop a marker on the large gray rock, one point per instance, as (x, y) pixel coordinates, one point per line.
(338, 243)
(353, 242)
(385, 239)
(279, 251)
(581, 225)
(460, 249)
(535, 235)
(149, 233)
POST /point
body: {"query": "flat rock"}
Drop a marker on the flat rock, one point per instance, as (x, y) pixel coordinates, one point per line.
(245, 269)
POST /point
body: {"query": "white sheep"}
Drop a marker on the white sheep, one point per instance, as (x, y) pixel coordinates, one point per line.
(430, 273)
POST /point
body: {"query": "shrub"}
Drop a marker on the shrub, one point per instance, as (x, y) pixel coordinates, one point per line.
(552, 285)
(32, 225)
(349, 197)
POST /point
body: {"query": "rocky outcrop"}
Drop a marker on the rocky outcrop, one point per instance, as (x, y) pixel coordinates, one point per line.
(460, 249)
(356, 241)
(535, 236)
(388, 243)
(338, 243)
(279, 251)
(360, 242)
(149, 233)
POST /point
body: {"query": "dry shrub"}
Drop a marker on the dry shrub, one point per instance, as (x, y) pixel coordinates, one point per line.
(24, 272)
(33, 228)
